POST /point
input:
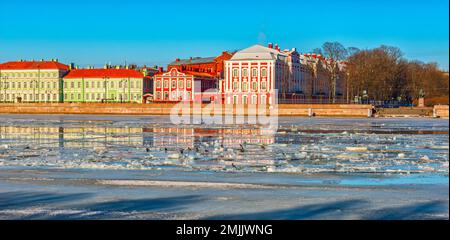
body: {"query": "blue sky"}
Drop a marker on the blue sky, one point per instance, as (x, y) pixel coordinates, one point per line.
(157, 32)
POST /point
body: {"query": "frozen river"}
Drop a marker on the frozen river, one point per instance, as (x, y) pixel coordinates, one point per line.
(58, 153)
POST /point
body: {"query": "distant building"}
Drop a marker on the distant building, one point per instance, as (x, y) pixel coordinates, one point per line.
(103, 85)
(32, 81)
(315, 71)
(176, 86)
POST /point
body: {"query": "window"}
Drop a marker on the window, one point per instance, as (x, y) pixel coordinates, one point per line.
(235, 72)
(132, 84)
(54, 97)
(93, 96)
(158, 84)
(112, 84)
(244, 99)
(254, 99)
(254, 72)
(18, 85)
(263, 85)
(79, 84)
(245, 72)
(181, 84)
(25, 97)
(158, 95)
(65, 95)
(235, 85)
(188, 84)
(234, 99)
(244, 86)
(174, 84)
(188, 95)
(263, 99)
(71, 96)
(98, 84)
(13, 85)
(72, 85)
(166, 84)
(166, 95)
(87, 84)
(264, 72)
(254, 86)
(25, 85)
(54, 84)
(87, 96)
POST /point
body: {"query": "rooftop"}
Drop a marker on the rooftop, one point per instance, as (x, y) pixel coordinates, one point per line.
(101, 73)
(195, 60)
(257, 52)
(24, 65)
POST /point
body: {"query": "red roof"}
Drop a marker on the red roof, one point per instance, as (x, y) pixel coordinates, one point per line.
(190, 73)
(101, 73)
(21, 65)
(199, 74)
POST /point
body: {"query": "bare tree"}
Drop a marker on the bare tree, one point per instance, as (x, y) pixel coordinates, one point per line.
(335, 52)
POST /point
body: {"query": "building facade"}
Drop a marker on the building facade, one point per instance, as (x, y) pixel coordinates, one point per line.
(316, 72)
(211, 65)
(32, 81)
(176, 86)
(103, 85)
(254, 75)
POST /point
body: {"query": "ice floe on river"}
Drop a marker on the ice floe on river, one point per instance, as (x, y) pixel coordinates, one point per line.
(300, 145)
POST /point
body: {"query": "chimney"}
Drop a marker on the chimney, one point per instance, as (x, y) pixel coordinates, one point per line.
(270, 45)
(160, 69)
(106, 66)
(177, 60)
(190, 59)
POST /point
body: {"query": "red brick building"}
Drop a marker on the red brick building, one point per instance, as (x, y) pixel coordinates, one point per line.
(210, 65)
(176, 86)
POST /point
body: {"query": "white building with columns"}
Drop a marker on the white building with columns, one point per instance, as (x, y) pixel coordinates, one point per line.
(255, 74)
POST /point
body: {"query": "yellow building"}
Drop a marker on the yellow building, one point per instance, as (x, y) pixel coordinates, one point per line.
(32, 81)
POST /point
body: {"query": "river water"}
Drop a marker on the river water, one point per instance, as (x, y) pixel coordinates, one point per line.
(300, 145)
(135, 167)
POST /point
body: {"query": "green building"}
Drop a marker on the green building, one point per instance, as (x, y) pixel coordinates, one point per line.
(103, 85)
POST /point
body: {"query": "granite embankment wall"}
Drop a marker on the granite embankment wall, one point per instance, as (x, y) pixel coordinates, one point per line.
(329, 110)
(441, 111)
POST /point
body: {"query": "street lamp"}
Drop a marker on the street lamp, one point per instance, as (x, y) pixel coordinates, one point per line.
(123, 82)
(105, 85)
(5, 86)
(34, 82)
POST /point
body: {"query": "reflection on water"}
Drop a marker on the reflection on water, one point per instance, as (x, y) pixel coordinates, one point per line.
(299, 146)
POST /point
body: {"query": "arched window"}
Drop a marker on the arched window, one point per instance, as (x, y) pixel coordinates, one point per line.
(235, 72)
(264, 72)
(245, 72)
